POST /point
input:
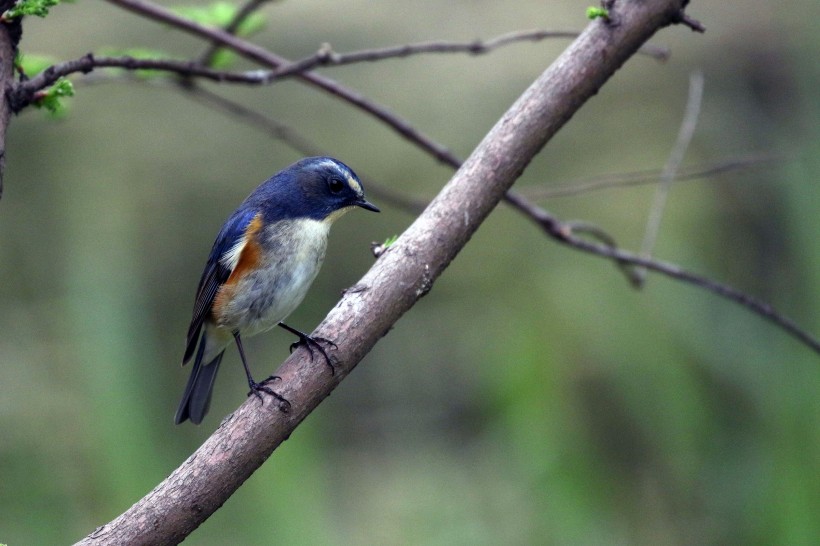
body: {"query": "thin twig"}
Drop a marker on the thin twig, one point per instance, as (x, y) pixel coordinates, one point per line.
(299, 143)
(687, 21)
(687, 130)
(642, 178)
(563, 234)
(325, 56)
(263, 56)
(24, 92)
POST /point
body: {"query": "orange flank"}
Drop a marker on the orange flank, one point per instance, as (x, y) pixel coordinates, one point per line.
(248, 260)
(249, 257)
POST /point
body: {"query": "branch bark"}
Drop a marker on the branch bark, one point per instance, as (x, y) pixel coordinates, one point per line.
(402, 275)
(9, 37)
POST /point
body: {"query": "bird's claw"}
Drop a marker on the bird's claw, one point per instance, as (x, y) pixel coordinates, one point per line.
(257, 388)
(310, 343)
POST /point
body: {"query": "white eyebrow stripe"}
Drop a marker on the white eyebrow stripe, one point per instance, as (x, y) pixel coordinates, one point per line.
(348, 176)
(354, 185)
(330, 164)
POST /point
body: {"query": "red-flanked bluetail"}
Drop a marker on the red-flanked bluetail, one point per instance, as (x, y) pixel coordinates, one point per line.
(260, 268)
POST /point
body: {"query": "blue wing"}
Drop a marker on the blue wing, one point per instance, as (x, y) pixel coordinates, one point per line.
(215, 274)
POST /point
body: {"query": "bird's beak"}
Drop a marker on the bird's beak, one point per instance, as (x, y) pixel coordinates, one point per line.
(365, 204)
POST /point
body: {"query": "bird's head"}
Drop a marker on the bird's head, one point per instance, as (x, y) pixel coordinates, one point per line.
(319, 188)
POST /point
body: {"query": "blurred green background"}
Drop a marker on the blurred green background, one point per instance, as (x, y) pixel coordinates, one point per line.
(532, 397)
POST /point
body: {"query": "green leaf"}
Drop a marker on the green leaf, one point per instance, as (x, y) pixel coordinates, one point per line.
(596, 13)
(49, 99)
(37, 8)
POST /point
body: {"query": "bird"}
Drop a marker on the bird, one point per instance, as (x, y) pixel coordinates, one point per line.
(262, 264)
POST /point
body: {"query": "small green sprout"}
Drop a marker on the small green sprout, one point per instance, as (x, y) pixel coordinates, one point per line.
(597, 13)
(37, 8)
(380, 248)
(50, 98)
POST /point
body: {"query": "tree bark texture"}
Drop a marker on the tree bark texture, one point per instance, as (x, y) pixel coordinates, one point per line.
(9, 38)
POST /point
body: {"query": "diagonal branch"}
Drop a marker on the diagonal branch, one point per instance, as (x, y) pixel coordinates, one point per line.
(402, 275)
(24, 91)
(563, 233)
(264, 57)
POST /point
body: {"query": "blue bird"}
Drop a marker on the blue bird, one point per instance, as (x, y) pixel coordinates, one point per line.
(260, 268)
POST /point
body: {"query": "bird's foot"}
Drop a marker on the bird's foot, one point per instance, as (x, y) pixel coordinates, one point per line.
(315, 343)
(258, 388)
(311, 343)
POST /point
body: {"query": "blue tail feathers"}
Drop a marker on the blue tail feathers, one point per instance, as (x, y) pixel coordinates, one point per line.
(197, 396)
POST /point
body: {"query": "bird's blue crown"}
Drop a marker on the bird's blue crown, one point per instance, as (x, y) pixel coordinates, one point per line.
(314, 188)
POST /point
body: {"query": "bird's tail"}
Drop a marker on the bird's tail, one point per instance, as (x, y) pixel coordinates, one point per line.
(197, 396)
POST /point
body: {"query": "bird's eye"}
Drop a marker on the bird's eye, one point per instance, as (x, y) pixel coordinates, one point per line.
(336, 185)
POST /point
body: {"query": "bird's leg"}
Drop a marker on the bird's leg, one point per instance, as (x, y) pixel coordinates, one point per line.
(255, 387)
(310, 343)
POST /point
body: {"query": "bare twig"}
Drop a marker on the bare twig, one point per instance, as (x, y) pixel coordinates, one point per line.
(642, 178)
(23, 93)
(261, 55)
(563, 233)
(200, 69)
(296, 141)
(685, 20)
(273, 128)
(325, 56)
(687, 130)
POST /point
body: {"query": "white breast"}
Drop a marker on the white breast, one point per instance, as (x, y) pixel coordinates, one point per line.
(292, 253)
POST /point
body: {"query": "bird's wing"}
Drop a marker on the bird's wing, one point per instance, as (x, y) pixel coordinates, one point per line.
(221, 262)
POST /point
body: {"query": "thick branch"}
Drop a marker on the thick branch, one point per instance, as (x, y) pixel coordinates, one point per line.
(401, 276)
(9, 36)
